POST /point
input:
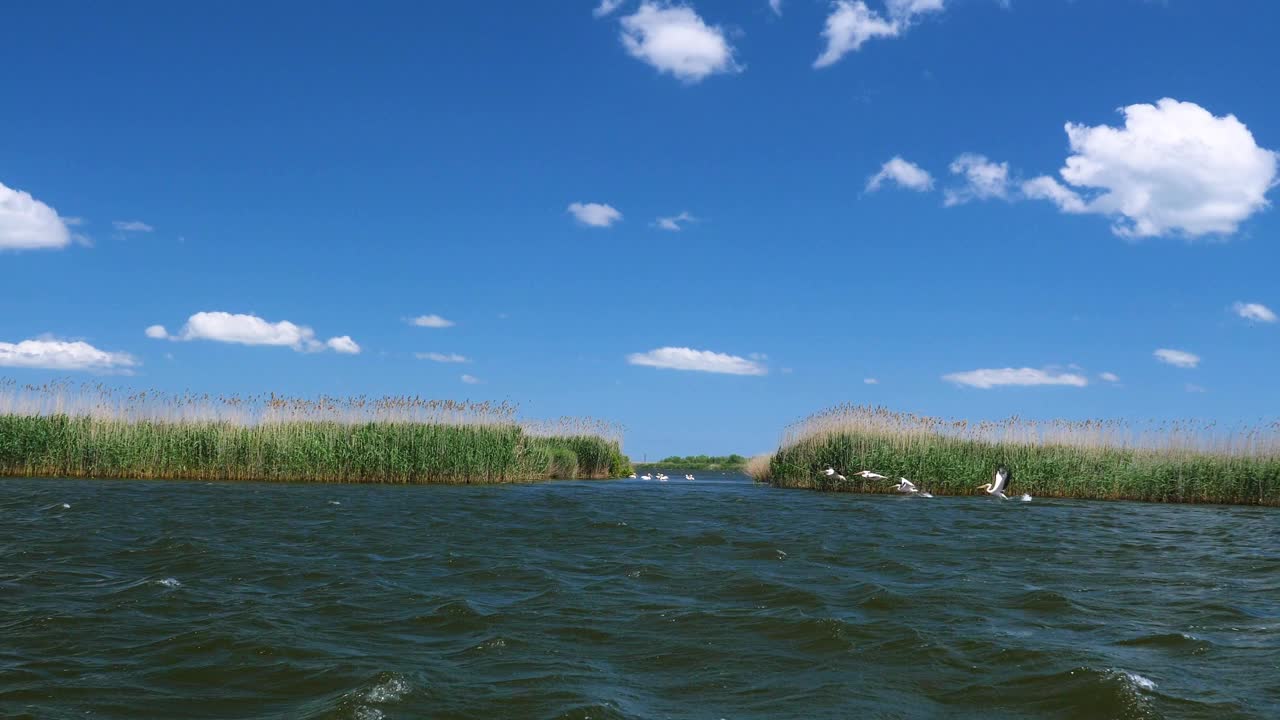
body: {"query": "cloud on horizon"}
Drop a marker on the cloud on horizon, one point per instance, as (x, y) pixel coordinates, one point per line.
(243, 329)
(50, 353)
(988, 378)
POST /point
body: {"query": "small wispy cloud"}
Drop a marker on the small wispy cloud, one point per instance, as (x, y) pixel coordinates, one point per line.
(776, 7)
(1177, 358)
(1109, 377)
(431, 321)
(595, 214)
(471, 380)
(683, 358)
(903, 173)
(987, 378)
(442, 357)
(1256, 312)
(984, 180)
(1193, 388)
(132, 226)
(851, 24)
(870, 381)
(343, 344)
(606, 7)
(50, 353)
(673, 223)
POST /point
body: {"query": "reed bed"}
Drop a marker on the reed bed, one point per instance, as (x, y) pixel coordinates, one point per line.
(1182, 461)
(64, 430)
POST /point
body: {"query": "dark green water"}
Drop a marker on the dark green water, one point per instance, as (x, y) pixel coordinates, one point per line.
(626, 600)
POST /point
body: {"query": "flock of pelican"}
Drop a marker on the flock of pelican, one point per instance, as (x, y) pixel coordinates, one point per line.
(659, 476)
(998, 486)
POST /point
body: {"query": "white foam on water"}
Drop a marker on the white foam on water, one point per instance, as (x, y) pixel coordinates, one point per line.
(390, 690)
(334, 502)
(169, 582)
(1138, 680)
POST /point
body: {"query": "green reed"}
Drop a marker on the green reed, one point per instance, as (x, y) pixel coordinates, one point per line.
(93, 431)
(1162, 462)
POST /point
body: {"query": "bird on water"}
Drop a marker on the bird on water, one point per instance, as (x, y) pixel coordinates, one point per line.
(906, 486)
(831, 473)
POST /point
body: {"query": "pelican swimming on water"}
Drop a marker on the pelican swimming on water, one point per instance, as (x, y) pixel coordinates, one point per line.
(688, 477)
(871, 475)
(646, 476)
(906, 486)
(1000, 483)
(831, 473)
(663, 478)
(632, 476)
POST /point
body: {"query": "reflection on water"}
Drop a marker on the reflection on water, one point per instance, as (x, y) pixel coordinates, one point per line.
(706, 599)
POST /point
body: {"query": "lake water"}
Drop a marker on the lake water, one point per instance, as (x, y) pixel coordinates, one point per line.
(710, 599)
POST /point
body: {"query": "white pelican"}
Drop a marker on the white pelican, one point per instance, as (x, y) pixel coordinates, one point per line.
(830, 472)
(646, 476)
(632, 476)
(1001, 483)
(663, 478)
(688, 477)
(872, 476)
(906, 486)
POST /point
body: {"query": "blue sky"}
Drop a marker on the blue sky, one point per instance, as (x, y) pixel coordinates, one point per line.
(282, 187)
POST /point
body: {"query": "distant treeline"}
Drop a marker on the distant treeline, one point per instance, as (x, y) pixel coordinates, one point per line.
(699, 462)
(48, 432)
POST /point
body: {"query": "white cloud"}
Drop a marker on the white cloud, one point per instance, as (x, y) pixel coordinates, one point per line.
(441, 357)
(28, 224)
(674, 39)
(1046, 188)
(673, 223)
(595, 214)
(431, 321)
(987, 378)
(1254, 311)
(851, 23)
(252, 330)
(776, 6)
(1109, 377)
(471, 380)
(984, 179)
(343, 344)
(870, 381)
(903, 172)
(132, 226)
(1174, 168)
(49, 353)
(1177, 358)
(606, 7)
(678, 358)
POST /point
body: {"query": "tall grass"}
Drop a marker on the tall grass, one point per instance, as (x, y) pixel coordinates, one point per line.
(94, 431)
(1107, 459)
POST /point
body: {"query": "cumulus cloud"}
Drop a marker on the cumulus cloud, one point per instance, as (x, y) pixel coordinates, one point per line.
(987, 378)
(343, 344)
(243, 329)
(132, 226)
(48, 353)
(1254, 311)
(682, 358)
(673, 223)
(471, 380)
(431, 321)
(1177, 358)
(851, 23)
(28, 224)
(1109, 377)
(902, 172)
(441, 357)
(674, 39)
(1173, 168)
(984, 180)
(606, 7)
(595, 214)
